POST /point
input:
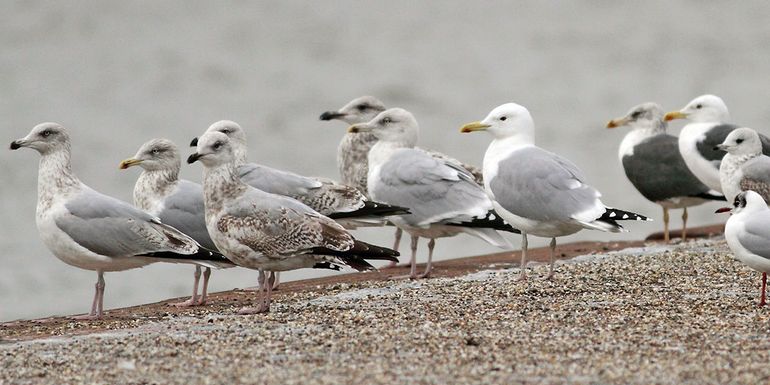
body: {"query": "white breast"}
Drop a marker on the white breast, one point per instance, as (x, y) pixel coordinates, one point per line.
(706, 171)
(730, 175)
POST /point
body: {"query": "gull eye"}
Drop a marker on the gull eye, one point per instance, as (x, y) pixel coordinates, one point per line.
(503, 118)
(386, 120)
(225, 131)
(155, 151)
(699, 106)
(739, 141)
(636, 114)
(46, 133)
(217, 145)
(362, 107)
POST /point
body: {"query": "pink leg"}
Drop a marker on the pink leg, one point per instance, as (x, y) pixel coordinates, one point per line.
(276, 284)
(193, 301)
(262, 293)
(552, 273)
(523, 265)
(204, 293)
(396, 244)
(429, 266)
(762, 301)
(96, 305)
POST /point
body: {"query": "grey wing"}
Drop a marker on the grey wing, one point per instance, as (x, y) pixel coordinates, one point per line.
(756, 176)
(110, 227)
(765, 144)
(756, 235)
(279, 227)
(658, 171)
(433, 190)
(474, 171)
(536, 184)
(184, 210)
(276, 181)
(714, 136)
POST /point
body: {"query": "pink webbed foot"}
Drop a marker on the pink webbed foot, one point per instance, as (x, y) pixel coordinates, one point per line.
(254, 310)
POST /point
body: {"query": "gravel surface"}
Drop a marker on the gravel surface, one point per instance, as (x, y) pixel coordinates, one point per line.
(679, 314)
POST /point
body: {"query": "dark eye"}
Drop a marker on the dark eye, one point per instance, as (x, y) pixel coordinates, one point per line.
(739, 141)
(503, 118)
(386, 120)
(155, 151)
(225, 131)
(699, 106)
(217, 145)
(362, 107)
(636, 114)
(46, 133)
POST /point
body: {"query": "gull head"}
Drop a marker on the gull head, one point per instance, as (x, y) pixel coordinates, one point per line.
(214, 149)
(741, 141)
(643, 116)
(155, 155)
(359, 110)
(748, 202)
(395, 125)
(505, 121)
(44, 138)
(703, 109)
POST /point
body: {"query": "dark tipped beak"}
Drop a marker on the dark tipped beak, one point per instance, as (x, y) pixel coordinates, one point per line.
(329, 115)
(193, 158)
(15, 145)
(720, 147)
(723, 210)
(194, 142)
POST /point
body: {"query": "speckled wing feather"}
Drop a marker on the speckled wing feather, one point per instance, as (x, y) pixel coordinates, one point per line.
(352, 159)
(756, 176)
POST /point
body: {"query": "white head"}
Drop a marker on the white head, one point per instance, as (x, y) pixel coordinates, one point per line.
(646, 116)
(359, 110)
(155, 155)
(507, 120)
(742, 141)
(213, 149)
(395, 125)
(703, 109)
(45, 138)
(748, 202)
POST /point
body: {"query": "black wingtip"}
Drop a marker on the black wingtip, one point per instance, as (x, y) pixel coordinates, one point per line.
(372, 209)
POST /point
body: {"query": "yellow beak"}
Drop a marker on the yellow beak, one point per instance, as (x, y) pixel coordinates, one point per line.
(617, 122)
(128, 163)
(474, 126)
(674, 115)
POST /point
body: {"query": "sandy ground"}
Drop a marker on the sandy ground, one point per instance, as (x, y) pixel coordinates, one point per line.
(651, 313)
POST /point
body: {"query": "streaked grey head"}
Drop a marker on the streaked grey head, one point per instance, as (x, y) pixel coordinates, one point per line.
(158, 154)
(358, 110)
(742, 141)
(45, 138)
(395, 125)
(237, 137)
(214, 149)
(642, 117)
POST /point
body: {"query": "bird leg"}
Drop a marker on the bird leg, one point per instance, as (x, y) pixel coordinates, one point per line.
(204, 292)
(262, 291)
(665, 225)
(412, 261)
(552, 273)
(275, 281)
(684, 225)
(193, 301)
(429, 266)
(523, 265)
(97, 304)
(762, 301)
(396, 244)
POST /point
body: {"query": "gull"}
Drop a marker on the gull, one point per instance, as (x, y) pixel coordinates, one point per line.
(744, 167)
(536, 191)
(269, 232)
(697, 140)
(652, 162)
(93, 231)
(747, 232)
(177, 202)
(443, 198)
(353, 150)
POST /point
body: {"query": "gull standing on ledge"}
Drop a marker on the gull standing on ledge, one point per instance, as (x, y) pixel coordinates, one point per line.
(698, 140)
(177, 202)
(442, 197)
(353, 151)
(270, 232)
(536, 191)
(744, 167)
(93, 231)
(652, 162)
(747, 232)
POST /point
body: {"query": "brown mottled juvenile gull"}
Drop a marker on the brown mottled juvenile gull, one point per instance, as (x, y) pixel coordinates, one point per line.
(652, 162)
(269, 232)
(536, 191)
(177, 202)
(744, 167)
(698, 139)
(93, 231)
(443, 198)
